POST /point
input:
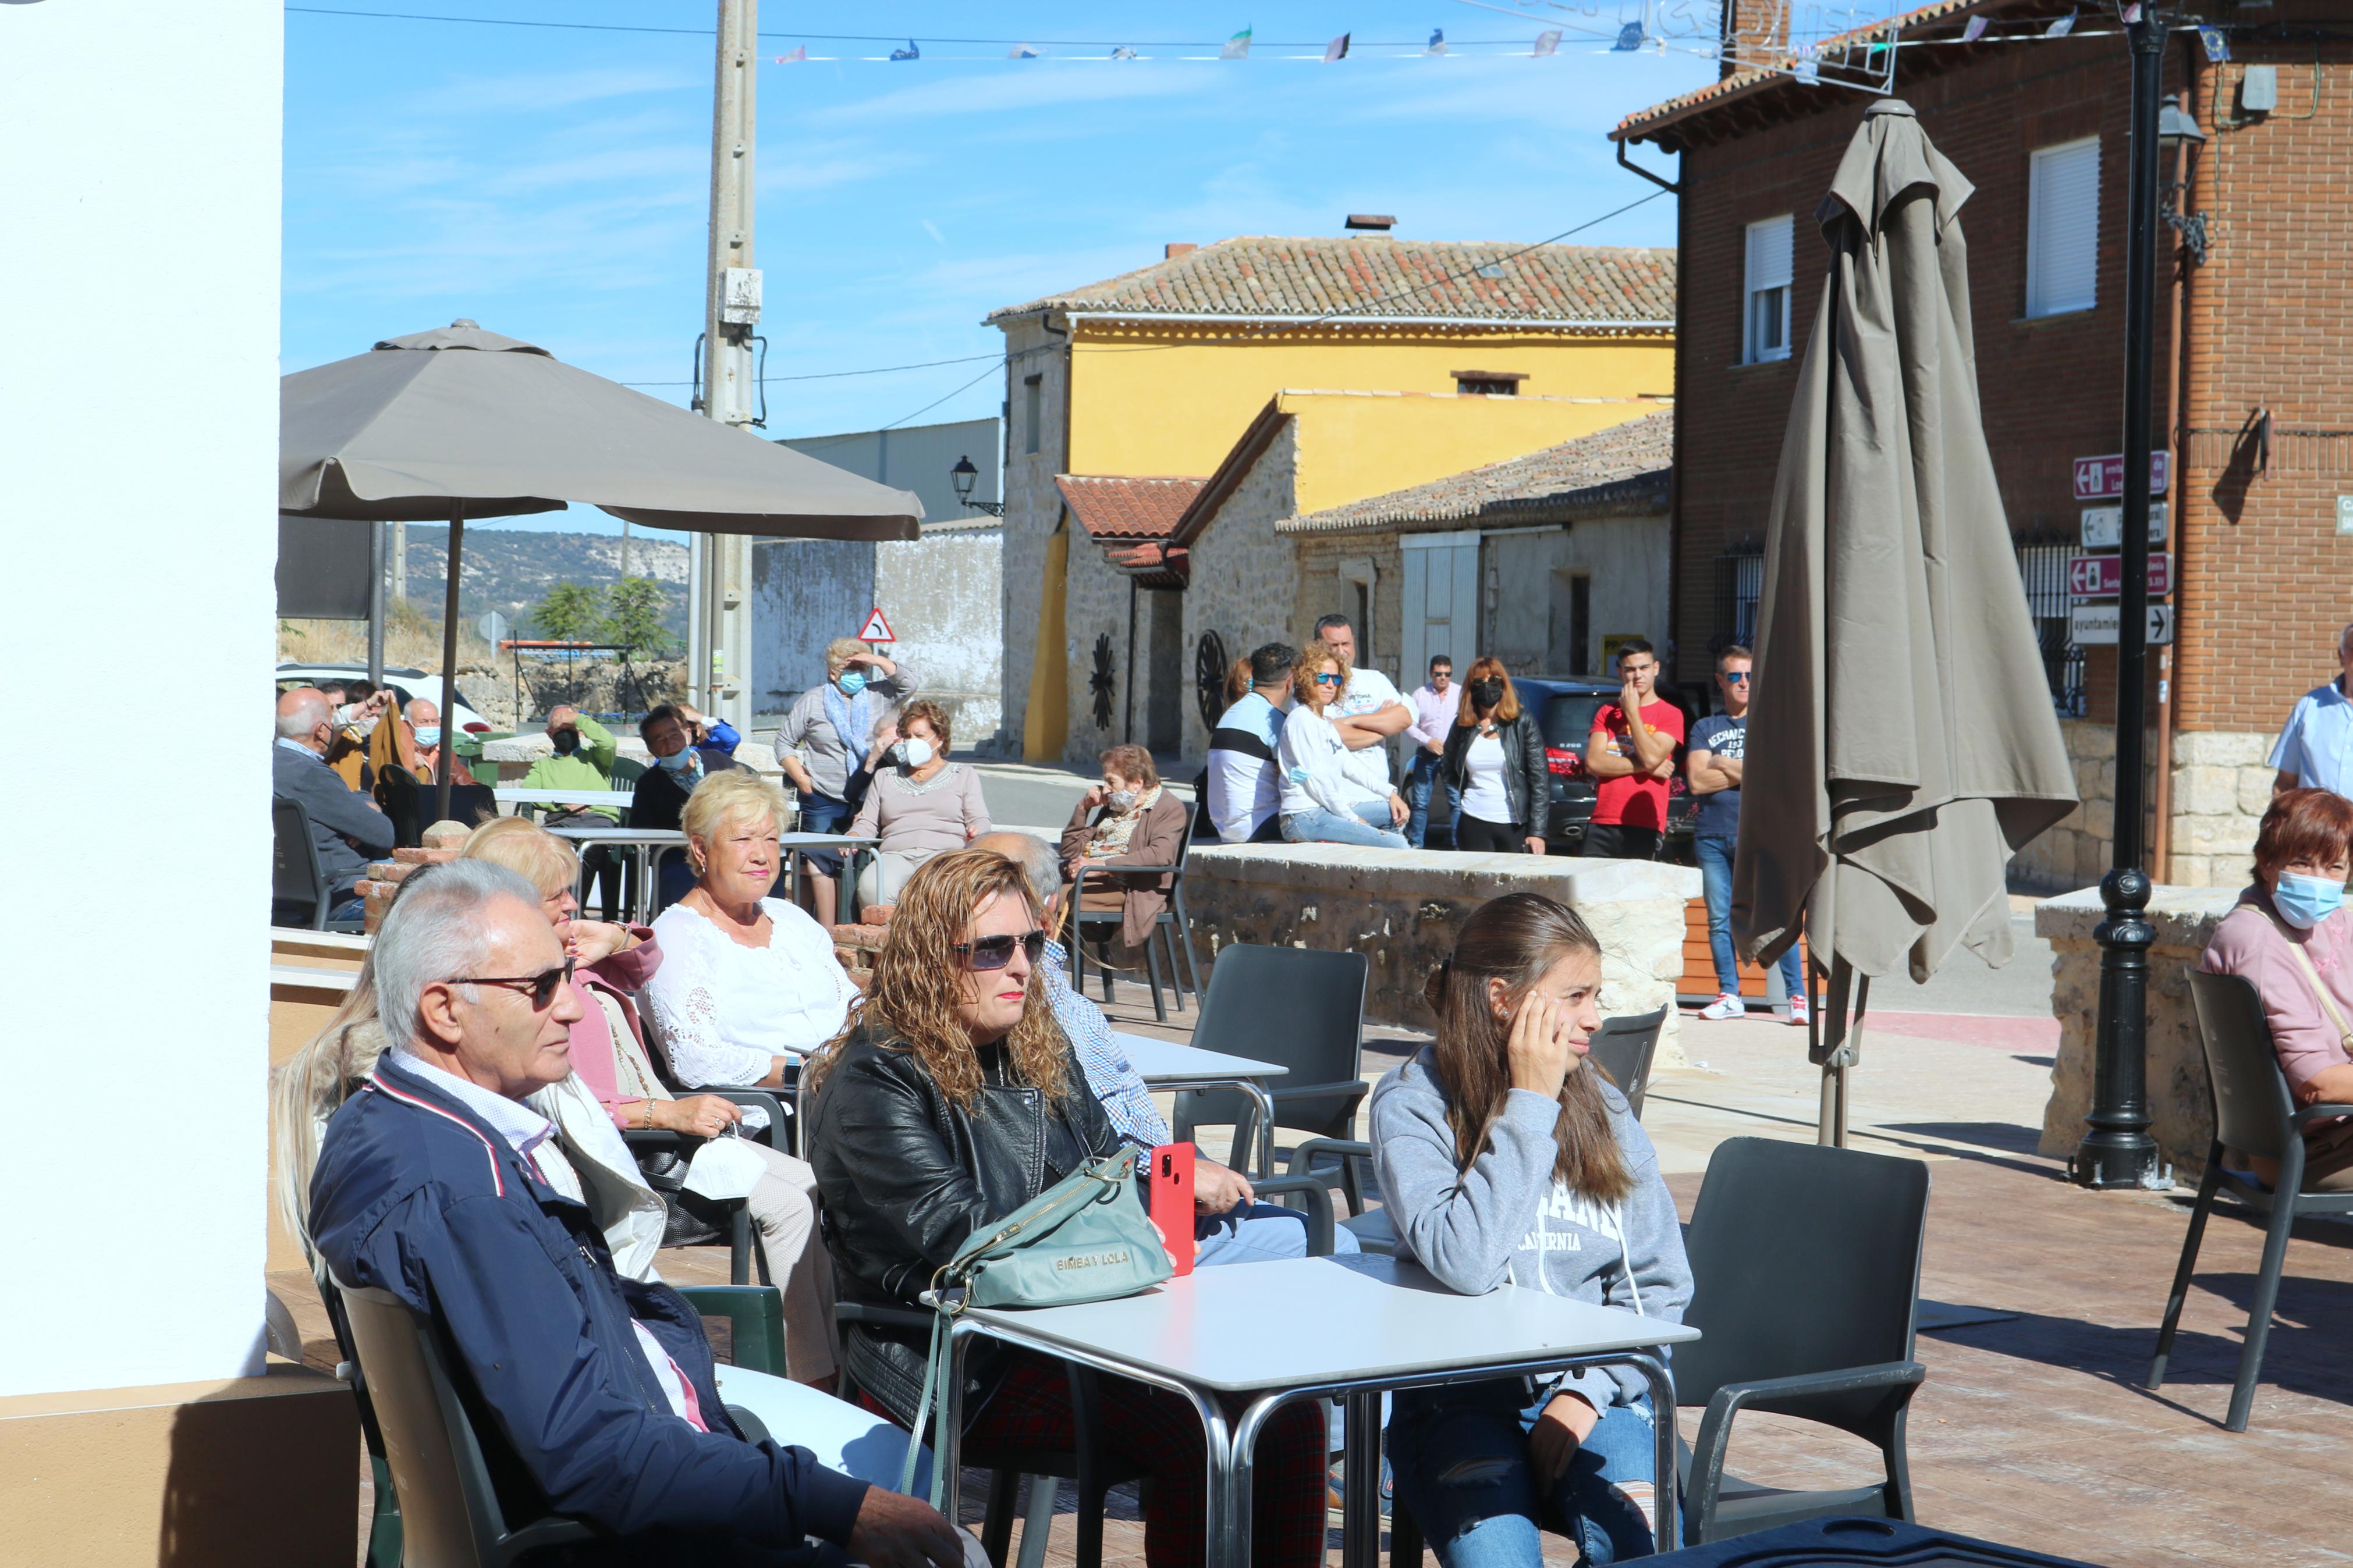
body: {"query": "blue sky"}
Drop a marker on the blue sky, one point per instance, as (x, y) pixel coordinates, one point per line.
(554, 184)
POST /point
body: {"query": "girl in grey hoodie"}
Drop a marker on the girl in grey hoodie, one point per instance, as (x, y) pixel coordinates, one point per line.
(1505, 1157)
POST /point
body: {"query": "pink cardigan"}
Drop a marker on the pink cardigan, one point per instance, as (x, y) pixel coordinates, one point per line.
(2247, 943)
(617, 976)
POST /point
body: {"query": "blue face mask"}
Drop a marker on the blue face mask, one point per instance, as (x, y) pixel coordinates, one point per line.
(852, 682)
(2304, 901)
(678, 762)
(429, 735)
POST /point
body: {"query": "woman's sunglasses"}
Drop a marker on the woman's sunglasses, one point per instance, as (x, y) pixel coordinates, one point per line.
(996, 951)
(1327, 680)
(542, 985)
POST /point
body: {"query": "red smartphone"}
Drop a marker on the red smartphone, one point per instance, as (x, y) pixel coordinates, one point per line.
(1172, 1203)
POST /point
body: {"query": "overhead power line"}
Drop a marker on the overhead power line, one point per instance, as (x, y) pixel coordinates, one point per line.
(838, 374)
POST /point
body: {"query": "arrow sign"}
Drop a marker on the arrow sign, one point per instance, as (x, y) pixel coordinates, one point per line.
(2102, 577)
(2094, 625)
(877, 628)
(2104, 526)
(2103, 478)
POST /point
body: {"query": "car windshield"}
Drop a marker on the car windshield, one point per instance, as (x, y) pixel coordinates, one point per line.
(1568, 719)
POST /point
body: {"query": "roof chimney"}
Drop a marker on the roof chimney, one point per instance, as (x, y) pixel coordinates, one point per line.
(1378, 223)
(1176, 248)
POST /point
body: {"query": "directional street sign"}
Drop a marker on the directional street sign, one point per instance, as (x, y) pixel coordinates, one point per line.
(2094, 625)
(2103, 478)
(2104, 526)
(877, 629)
(2102, 577)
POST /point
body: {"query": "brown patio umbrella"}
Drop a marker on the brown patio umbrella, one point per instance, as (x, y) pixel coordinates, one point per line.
(462, 422)
(1903, 729)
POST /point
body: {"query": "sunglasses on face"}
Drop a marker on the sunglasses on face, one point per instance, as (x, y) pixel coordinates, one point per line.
(1737, 677)
(1327, 680)
(996, 951)
(542, 985)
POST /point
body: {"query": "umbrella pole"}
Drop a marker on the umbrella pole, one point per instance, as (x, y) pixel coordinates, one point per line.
(450, 669)
(1837, 1048)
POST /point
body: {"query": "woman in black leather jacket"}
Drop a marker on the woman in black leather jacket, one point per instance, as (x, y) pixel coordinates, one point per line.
(1495, 761)
(950, 1100)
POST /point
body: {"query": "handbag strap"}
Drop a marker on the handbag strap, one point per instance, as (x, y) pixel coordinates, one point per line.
(927, 1407)
(2319, 990)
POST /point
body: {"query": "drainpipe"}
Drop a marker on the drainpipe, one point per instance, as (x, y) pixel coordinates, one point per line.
(2176, 393)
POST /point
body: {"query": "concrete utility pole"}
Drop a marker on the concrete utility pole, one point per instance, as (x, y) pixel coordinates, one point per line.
(400, 562)
(719, 641)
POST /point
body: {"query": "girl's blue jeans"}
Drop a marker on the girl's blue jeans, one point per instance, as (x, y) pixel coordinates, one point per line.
(1463, 1474)
(1369, 828)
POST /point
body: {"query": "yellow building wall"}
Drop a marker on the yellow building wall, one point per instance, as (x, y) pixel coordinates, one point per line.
(1356, 444)
(1168, 402)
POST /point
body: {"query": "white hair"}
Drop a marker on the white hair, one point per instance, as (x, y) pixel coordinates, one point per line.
(1038, 863)
(304, 714)
(434, 932)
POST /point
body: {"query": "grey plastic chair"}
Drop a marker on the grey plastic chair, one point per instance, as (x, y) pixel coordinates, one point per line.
(295, 876)
(1622, 1048)
(1172, 931)
(1298, 1007)
(2255, 1114)
(1806, 1268)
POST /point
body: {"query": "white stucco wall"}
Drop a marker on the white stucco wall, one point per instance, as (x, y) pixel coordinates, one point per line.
(141, 233)
(1523, 614)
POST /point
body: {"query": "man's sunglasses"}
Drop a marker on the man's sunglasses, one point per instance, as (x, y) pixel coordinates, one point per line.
(996, 951)
(542, 985)
(1737, 675)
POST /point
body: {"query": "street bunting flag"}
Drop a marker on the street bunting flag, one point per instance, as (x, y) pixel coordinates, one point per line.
(1974, 31)
(2218, 44)
(1122, 53)
(1237, 48)
(1547, 43)
(800, 52)
(909, 53)
(2061, 27)
(1022, 52)
(1437, 41)
(1337, 49)
(1629, 38)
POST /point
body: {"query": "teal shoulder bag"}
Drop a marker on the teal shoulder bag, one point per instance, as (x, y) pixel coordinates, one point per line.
(1085, 1238)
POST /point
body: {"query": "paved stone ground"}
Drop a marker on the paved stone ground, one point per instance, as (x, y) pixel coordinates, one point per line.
(2034, 1430)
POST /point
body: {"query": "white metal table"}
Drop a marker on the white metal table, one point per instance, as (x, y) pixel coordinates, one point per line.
(517, 795)
(647, 844)
(1165, 1064)
(1315, 1328)
(854, 851)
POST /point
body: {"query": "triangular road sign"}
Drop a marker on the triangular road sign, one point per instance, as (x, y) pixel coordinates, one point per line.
(877, 628)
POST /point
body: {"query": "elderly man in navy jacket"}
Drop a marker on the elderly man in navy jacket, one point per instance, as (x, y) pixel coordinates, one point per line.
(436, 1183)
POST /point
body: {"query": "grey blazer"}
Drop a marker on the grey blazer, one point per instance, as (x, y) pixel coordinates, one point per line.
(345, 825)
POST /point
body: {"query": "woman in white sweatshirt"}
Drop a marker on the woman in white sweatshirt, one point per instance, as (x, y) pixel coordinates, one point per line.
(1321, 805)
(1506, 1157)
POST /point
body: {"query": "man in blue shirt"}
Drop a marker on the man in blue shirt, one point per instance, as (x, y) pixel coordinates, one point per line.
(2315, 750)
(1231, 1226)
(1718, 749)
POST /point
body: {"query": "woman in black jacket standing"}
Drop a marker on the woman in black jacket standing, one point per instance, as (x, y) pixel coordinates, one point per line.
(1495, 761)
(950, 1100)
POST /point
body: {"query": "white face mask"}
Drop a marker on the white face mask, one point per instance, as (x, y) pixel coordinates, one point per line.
(913, 752)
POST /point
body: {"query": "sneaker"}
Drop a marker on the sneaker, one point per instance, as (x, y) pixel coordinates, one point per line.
(1725, 1006)
(1797, 1013)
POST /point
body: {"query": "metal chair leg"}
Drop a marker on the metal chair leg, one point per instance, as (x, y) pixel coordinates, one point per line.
(1038, 1521)
(1405, 1537)
(2259, 1317)
(1151, 978)
(1165, 933)
(996, 1526)
(739, 1246)
(2191, 1243)
(1184, 931)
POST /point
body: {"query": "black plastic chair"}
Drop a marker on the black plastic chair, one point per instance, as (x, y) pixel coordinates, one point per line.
(1298, 1007)
(2255, 1114)
(1806, 1267)
(1172, 930)
(296, 880)
(1085, 1464)
(1622, 1048)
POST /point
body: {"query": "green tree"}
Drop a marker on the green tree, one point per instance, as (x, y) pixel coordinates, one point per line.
(633, 618)
(570, 612)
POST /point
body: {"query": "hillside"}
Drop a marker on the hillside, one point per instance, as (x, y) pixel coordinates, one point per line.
(510, 570)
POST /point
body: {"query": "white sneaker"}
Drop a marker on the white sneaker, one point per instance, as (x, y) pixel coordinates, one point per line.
(1725, 1006)
(1797, 1013)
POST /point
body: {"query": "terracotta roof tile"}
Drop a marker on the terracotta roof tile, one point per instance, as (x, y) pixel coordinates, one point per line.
(1625, 464)
(1373, 277)
(1112, 506)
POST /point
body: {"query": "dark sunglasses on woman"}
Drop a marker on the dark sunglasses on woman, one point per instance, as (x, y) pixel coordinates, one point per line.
(996, 951)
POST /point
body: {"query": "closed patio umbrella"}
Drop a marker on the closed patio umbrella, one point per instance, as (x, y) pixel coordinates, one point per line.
(1903, 726)
(460, 422)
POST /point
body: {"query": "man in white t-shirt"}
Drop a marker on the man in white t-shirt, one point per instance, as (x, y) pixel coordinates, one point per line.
(1242, 788)
(1369, 711)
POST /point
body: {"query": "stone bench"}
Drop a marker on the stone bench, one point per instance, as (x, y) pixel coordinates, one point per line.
(2180, 1103)
(1401, 909)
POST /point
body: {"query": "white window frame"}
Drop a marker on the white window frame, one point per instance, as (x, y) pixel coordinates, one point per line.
(1767, 271)
(2062, 244)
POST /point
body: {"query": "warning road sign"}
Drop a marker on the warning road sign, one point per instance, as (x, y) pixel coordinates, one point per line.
(877, 628)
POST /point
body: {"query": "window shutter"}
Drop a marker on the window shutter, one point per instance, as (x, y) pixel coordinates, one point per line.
(1765, 293)
(1769, 254)
(2062, 242)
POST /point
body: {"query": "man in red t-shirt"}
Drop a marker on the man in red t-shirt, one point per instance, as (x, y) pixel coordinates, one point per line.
(1630, 763)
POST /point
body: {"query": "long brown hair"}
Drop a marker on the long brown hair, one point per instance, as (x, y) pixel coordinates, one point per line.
(910, 1004)
(1506, 708)
(1515, 938)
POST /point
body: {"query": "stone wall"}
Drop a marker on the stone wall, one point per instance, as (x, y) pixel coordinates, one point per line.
(2181, 1105)
(1401, 909)
(2220, 788)
(1242, 587)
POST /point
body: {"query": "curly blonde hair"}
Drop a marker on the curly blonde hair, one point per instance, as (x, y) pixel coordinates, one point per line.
(911, 1005)
(1311, 659)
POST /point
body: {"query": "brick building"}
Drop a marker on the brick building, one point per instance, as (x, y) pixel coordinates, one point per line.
(2255, 361)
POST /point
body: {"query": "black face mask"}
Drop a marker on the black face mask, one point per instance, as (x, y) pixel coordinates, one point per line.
(1486, 693)
(566, 742)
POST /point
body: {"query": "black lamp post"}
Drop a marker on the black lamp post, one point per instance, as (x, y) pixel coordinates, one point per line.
(964, 475)
(2118, 1150)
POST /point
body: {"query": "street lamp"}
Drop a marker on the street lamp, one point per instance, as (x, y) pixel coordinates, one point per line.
(2116, 1151)
(2176, 128)
(964, 475)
